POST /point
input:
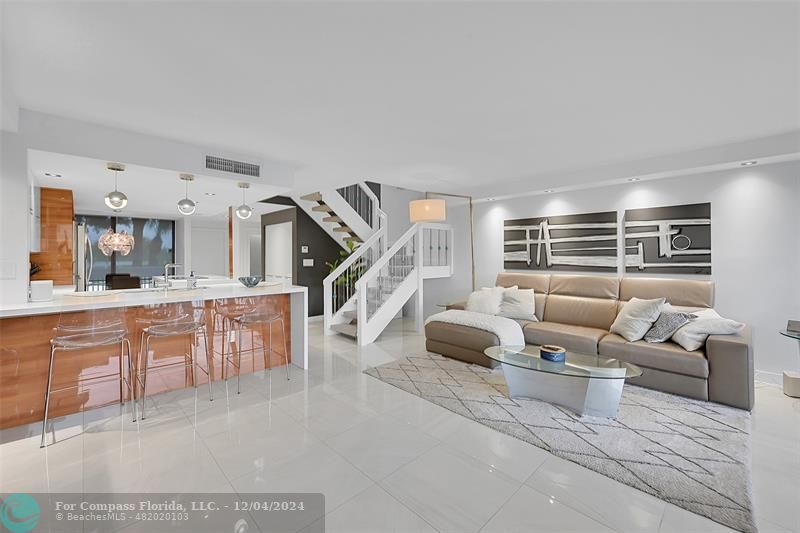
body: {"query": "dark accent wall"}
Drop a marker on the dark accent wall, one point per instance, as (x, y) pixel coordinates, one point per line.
(375, 188)
(305, 232)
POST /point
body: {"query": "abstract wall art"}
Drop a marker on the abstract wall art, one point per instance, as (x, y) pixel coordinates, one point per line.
(584, 242)
(669, 240)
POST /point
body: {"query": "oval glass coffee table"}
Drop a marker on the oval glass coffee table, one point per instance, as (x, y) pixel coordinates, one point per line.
(587, 384)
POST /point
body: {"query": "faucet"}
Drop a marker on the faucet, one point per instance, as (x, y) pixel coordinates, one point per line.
(166, 274)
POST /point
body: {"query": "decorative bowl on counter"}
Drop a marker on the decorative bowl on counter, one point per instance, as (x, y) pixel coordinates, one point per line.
(250, 281)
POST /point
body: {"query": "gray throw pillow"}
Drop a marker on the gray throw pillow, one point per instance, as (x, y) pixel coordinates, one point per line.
(668, 323)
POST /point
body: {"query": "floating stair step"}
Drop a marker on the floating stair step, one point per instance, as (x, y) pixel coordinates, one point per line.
(353, 239)
(332, 219)
(350, 315)
(349, 330)
(343, 229)
(322, 208)
(313, 197)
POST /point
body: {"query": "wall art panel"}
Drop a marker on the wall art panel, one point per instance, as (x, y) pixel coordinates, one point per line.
(669, 240)
(584, 242)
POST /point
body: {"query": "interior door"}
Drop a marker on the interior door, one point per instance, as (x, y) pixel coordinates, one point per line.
(278, 252)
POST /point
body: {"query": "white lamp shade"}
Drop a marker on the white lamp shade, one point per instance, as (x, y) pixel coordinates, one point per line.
(430, 210)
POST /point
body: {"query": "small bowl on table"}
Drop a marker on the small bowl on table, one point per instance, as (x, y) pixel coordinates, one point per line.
(250, 281)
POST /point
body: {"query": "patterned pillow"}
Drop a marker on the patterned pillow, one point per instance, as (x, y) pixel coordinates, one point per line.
(668, 323)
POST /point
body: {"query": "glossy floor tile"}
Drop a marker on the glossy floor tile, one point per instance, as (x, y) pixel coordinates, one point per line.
(385, 460)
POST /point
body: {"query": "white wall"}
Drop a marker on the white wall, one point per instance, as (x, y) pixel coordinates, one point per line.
(246, 231)
(755, 234)
(209, 253)
(14, 212)
(394, 202)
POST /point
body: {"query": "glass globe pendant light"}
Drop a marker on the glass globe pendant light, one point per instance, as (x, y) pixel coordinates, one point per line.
(186, 206)
(116, 200)
(244, 211)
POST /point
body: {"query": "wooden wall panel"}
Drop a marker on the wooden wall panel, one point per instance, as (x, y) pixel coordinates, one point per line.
(55, 255)
(25, 357)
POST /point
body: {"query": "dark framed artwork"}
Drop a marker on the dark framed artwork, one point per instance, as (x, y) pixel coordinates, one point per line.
(583, 242)
(669, 240)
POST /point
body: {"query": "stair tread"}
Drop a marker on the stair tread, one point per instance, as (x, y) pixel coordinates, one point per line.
(323, 208)
(312, 197)
(346, 329)
(352, 315)
(332, 219)
(353, 239)
(343, 229)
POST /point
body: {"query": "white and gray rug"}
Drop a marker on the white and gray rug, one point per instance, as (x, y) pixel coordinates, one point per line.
(690, 453)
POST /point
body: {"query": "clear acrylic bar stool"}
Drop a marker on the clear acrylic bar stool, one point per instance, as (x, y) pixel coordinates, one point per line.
(85, 331)
(225, 312)
(257, 319)
(174, 322)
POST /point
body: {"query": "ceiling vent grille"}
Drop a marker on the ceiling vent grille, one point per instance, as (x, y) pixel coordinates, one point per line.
(230, 165)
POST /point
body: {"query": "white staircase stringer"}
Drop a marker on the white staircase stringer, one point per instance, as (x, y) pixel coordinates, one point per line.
(349, 216)
(369, 330)
(317, 216)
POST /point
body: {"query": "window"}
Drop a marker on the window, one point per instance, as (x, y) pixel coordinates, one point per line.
(154, 246)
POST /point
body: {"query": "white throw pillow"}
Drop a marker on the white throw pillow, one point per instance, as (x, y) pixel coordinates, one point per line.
(486, 301)
(636, 318)
(519, 304)
(693, 335)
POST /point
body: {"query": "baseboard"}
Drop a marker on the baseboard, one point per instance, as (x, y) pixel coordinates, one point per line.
(317, 318)
(771, 378)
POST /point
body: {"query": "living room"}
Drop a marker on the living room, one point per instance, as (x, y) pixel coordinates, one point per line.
(428, 266)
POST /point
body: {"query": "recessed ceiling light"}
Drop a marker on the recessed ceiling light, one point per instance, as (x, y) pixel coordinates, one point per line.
(53, 175)
(549, 190)
(749, 163)
(633, 179)
(210, 194)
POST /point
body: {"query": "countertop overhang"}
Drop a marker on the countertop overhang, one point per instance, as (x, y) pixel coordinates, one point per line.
(66, 302)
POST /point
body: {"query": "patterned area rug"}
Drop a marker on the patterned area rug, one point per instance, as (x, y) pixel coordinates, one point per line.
(690, 453)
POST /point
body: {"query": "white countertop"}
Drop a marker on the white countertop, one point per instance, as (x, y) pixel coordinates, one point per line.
(70, 301)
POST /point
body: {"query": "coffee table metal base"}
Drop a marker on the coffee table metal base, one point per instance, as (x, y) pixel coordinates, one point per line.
(586, 396)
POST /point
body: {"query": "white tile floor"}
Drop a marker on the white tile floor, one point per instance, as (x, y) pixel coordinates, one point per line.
(385, 460)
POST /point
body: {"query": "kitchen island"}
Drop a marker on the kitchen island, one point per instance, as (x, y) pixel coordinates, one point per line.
(26, 330)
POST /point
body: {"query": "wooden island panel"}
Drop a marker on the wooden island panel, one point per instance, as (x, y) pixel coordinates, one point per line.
(25, 358)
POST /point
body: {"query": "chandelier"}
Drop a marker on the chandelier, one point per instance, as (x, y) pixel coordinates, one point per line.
(111, 242)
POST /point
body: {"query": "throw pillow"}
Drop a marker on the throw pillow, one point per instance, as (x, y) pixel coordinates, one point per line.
(519, 304)
(486, 301)
(636, 318)
(668, 323)
(693, 335)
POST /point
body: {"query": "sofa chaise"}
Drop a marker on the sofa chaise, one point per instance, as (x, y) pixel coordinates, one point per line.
(576, 312)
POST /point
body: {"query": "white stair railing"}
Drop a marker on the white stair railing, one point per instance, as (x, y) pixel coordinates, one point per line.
(339, 287)
(424, 251)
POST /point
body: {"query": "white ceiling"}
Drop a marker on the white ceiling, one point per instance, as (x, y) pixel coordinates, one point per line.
(444, 96)
(151, 192)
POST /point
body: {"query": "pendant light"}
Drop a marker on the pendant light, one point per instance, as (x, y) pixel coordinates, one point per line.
(110, 242)
(244, 211)
(116, 200)
(186, 206)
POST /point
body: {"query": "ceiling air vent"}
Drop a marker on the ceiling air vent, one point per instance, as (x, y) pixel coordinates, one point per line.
(235, 167)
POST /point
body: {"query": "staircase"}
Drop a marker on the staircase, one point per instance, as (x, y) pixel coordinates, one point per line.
(369, 289)
(371, 286)
(350, 215)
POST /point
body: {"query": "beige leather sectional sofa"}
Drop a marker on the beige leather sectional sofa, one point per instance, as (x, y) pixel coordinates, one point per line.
(576, 312)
